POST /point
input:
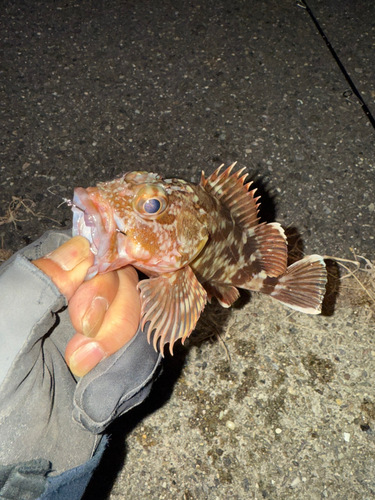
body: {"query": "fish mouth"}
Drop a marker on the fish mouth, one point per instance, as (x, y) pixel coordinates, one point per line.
(88, 222)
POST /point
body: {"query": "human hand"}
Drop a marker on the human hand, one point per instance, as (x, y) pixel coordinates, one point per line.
(105, 311)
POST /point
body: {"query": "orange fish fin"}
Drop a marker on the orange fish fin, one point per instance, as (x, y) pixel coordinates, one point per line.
(234, 195)
(225, 294)
(172, 303)
(302, 287)
(272, 248)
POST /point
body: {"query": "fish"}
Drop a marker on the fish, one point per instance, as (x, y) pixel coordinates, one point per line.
(193, 242)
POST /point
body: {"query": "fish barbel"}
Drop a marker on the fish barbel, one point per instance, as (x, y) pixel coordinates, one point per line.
(194, 242)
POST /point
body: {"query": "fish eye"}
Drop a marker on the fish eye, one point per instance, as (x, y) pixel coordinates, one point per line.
(150, 201)
(152, 206)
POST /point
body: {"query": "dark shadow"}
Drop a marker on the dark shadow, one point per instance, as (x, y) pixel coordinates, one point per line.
(243, 300)
(213, 321)
(114, 456)
(295, 245)
(267, 207)
(332, 288)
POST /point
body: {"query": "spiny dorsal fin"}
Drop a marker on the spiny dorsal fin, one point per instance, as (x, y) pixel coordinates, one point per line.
(234, 195)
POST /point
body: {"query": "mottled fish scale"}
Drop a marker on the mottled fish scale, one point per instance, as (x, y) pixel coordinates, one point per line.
(239, 234)
(194, 242)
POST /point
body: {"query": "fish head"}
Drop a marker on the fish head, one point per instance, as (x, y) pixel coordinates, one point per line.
(156, 225)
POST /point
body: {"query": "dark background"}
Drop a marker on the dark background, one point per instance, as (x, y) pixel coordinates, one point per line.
(90, 90)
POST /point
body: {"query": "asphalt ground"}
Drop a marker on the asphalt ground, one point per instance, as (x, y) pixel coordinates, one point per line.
(90, 90)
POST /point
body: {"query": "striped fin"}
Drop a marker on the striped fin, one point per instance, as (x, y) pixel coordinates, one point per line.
(172, 303)
(272, 248)
(234, 195)
(225, 294)
(302, 287)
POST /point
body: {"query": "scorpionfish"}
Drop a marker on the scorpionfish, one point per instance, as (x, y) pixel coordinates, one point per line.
(194, 242)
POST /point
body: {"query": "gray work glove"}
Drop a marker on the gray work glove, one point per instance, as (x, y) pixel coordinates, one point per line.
(45, 413)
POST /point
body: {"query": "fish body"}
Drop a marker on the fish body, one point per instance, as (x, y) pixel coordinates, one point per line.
(194, 242)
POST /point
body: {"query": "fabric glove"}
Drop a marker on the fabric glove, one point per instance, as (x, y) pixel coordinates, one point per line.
(50, 422)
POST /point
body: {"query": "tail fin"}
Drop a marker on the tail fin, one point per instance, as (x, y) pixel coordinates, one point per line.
(302, 287)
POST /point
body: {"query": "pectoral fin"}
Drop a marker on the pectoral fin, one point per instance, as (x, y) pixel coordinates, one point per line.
(172, 303)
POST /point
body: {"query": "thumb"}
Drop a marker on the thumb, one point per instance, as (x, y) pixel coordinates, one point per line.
(67, 265)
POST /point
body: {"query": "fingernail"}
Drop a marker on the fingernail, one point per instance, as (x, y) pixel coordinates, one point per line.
(85, 358)
(93, 318)
(70, 254)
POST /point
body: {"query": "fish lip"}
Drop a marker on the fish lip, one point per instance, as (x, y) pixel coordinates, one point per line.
(88, 222)
(95, 220)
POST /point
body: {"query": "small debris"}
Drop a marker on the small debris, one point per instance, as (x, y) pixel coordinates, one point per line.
(295, 482)
(5, 254)
(231, 425)
(20, 205)
(365, 427)
(346, 437)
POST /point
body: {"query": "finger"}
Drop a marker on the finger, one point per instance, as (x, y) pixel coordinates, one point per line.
(123, 316)
(120, 323)
(91, 301)
(67, 265)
